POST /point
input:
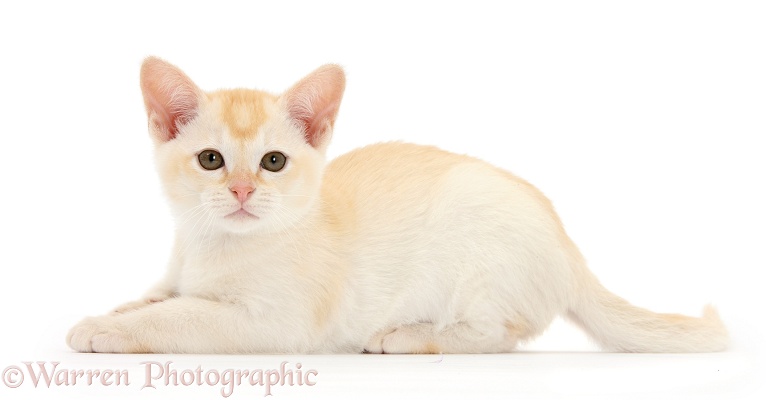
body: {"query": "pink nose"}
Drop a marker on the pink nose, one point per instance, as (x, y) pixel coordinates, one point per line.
(242, 191)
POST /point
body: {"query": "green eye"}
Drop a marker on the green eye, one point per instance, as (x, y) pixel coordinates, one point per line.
(210, 159)
(273, 161)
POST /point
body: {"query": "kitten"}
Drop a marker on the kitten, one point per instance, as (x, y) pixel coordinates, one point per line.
(392, 248)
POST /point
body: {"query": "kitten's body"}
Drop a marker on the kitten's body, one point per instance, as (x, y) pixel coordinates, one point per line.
(396, 248)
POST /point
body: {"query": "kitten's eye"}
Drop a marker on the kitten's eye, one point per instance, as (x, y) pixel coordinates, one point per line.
(210, 159)
(273, 161)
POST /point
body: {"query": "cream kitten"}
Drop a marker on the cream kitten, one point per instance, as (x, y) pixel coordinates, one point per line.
(392, 248)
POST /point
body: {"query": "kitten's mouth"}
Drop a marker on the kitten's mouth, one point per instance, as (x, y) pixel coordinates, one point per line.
(241, 214)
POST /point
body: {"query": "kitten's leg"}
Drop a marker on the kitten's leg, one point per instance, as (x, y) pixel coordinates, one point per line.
(176, 325)
(463, 337)
(160, 292)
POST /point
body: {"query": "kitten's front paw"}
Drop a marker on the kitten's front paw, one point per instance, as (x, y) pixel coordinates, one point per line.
(102, 335)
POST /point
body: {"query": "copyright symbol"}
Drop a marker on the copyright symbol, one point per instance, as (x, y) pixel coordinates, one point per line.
(13, 376)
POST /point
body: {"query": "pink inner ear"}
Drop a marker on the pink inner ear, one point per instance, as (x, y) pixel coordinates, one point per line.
(171, 98)
(314, 101)
(321, 122)
(165, 122)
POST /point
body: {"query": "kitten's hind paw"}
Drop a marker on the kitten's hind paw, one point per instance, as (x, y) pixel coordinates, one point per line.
(375, 344)
(406, 339)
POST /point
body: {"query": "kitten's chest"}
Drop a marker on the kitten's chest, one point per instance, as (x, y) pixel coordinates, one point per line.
(228, 271)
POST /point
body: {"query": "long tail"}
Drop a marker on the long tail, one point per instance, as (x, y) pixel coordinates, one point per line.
(619, 326)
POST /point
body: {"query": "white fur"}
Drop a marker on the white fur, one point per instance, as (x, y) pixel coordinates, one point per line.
(398, 248)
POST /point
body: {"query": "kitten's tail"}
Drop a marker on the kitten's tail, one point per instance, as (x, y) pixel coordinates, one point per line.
(620, 326)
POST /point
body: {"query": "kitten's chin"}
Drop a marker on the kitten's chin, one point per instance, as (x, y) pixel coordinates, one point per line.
(260, 221)
(241, 215)
(242, 221)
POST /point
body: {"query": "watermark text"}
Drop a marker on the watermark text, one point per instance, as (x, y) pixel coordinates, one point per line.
(154, 374)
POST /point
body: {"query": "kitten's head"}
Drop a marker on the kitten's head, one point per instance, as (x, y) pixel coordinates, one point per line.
(240, 160)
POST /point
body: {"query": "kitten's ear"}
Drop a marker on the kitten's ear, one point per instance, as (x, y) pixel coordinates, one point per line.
(314, 101)
(170, 97)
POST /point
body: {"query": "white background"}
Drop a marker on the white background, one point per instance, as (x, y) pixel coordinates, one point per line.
(642, 121)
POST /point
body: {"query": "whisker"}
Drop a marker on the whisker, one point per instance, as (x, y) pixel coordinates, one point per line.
(192, 209)
(286, 230)
(206, 211)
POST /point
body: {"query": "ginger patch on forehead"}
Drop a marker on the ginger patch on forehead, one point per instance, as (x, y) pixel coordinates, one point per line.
(243, 111)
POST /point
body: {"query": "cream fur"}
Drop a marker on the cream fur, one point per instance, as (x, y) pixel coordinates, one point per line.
(393, 248)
